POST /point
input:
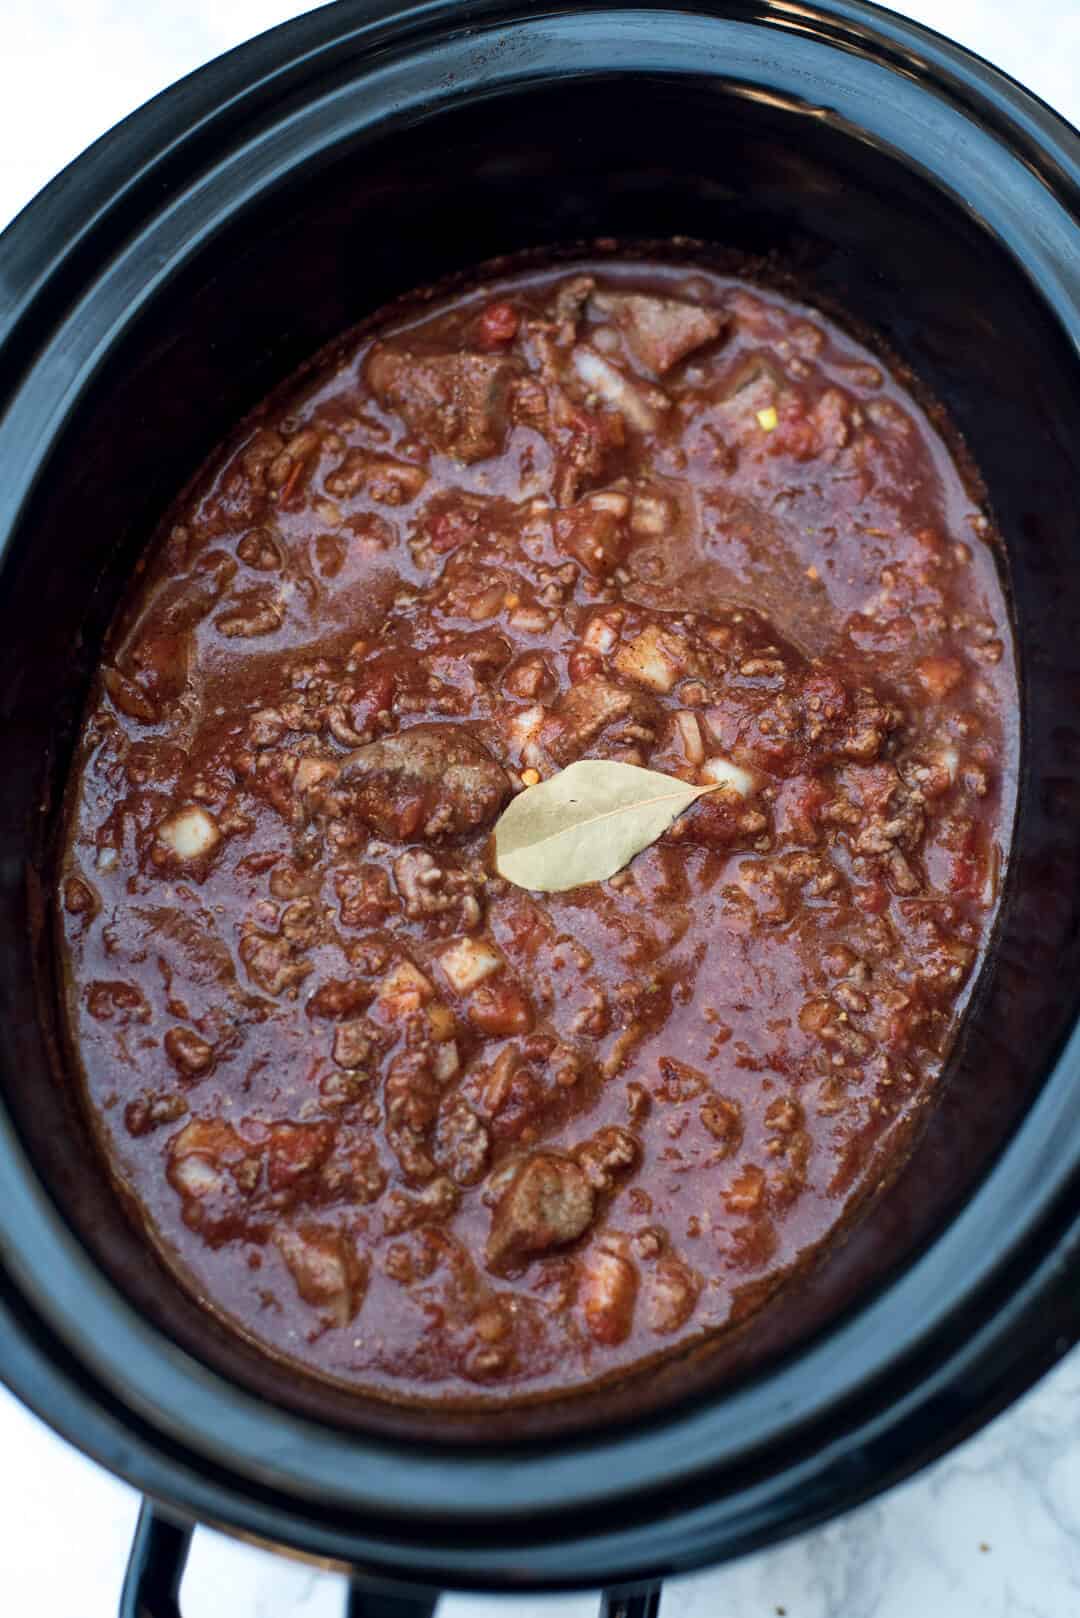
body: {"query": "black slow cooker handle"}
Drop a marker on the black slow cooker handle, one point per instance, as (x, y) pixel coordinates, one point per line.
(159, 1554)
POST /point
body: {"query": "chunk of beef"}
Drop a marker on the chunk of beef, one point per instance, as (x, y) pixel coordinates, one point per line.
(462, 1142)
(436, 893)
(251, 613)
(894, 813)
(609, 1291)
(892, 824)
(722, 820)
(433, 781)
(328, 1272)
(414, 1089)
(523, 1085)
(637, 402)
(355, 1176)
(610, 1152)
(659, 331)
(151, 1110)
(276, 965)
(382, 478)
(656, 658)
(671, 1295)
(587, 445)
(844, 723)
(569, 302)
(214, 1170)
(549, 1202)
(870, 723)
(354, 1049)
(454, 402)
(434, 1205)
(594, 532)
(585, 441)
(364, 896)
(587, 709)
(295, 1152)
(188, 1053)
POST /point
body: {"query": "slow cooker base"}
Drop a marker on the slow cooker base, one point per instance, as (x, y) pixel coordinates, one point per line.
(159, 1554)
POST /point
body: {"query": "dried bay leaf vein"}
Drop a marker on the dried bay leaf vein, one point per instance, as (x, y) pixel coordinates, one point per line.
(590, 820)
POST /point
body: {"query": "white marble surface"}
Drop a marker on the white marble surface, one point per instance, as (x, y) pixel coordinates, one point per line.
(993, 1531)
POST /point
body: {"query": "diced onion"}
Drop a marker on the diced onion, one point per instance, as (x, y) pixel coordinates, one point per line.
(613, 388)
(601, 635)
(189, 833)
(613, 500)
(690, 735)
(722, 772)
(467, 963)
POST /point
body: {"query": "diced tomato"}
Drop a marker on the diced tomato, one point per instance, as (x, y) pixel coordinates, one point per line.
(449, 529)
(966, 875)
(526, 928)
(794, 435)
(898, 1026)
(824, 694)
(374, 695)
(604, 429)
(873, 899)
(296, 1150)
(498, 325)
(798, 805)
(965, 871)
(939, 675)
(500, 1009)
(583, 665)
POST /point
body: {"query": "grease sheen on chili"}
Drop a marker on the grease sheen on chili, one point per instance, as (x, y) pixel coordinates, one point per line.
(420, 1129)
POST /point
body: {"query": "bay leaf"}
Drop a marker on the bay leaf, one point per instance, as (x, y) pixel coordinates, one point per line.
(587, 822)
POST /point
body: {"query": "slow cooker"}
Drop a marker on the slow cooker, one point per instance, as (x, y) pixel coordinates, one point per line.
(151, 295)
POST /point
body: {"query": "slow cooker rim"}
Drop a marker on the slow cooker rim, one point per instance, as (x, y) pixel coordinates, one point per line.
(9, 1154)
(124, 161)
